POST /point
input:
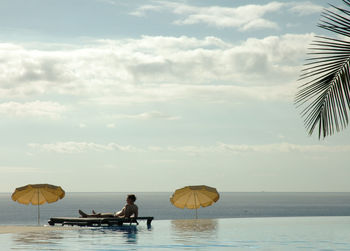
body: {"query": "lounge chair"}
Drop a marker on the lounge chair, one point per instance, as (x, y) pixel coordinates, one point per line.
(111, 221)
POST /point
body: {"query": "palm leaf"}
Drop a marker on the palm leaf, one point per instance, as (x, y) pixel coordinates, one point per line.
(325, 93)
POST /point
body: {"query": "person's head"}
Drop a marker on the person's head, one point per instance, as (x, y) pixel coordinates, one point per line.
(131, 198)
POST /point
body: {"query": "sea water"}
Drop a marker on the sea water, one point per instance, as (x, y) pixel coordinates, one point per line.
(238, 221)
(292, 233)
(230, 205)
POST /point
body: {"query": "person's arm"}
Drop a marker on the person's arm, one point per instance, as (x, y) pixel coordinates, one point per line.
(120, 213)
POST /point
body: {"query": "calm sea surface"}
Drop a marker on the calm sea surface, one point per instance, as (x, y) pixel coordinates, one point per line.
(280, 234)
(230, 205)
(260, 221)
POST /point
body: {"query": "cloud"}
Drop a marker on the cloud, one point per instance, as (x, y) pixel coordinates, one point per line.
(141, 11)
(284, 148)
(218, 16)
(207, 93)
(46, 109)
(146, 116)
(306, 8)
(244, 17)
(110, 125)
(71, 147)
(223, 148)
(156, 69)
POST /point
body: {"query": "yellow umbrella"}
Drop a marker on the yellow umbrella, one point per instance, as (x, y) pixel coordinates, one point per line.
(194, 197)
(38, 194)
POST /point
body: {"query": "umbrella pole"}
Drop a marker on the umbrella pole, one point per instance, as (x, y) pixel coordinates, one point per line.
(195, 204)
(38, 209)
(38, 214)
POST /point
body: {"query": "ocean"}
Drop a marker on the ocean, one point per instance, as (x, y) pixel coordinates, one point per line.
(238, 221)
(268, 234)
(230, 205)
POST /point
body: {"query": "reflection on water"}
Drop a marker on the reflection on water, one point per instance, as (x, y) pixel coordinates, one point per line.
(96, 236)
(42, 240)
(188, 230)
(129, 233)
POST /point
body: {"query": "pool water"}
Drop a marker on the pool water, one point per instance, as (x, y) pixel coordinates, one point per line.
(313, 233)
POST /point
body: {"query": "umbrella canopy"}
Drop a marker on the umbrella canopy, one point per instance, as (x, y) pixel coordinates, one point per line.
(38, 194)
(194, 197)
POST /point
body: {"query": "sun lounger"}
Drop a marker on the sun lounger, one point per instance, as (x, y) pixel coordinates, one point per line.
(91, 222)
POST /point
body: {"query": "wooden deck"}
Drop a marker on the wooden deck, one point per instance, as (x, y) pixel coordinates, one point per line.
(92, 222)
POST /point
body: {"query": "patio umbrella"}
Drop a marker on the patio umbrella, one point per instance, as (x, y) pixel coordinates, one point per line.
(194, 197)
(37, 194)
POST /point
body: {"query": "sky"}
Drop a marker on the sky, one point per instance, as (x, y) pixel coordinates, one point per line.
(128, 96)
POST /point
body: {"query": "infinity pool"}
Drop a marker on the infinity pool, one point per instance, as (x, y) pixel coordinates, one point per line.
(314, 233)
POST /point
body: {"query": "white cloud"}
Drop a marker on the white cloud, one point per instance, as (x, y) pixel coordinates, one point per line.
(306, 8)
(110, 125)
(218, 16)
(71, 147)
(284, 148)
(141, 11)
(146, 116)
(156, 68)
(244, 17)
(266, 148)
(37, 108)
(206, 93)
(82, 125)
(230, 17)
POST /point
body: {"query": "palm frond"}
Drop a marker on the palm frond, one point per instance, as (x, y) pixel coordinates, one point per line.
(325, 93)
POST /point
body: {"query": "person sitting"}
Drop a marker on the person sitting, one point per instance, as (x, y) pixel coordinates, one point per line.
(129, 210)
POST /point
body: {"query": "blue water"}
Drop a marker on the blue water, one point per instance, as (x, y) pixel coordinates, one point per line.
(230, 205)
(306, 233)
(262, 221)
